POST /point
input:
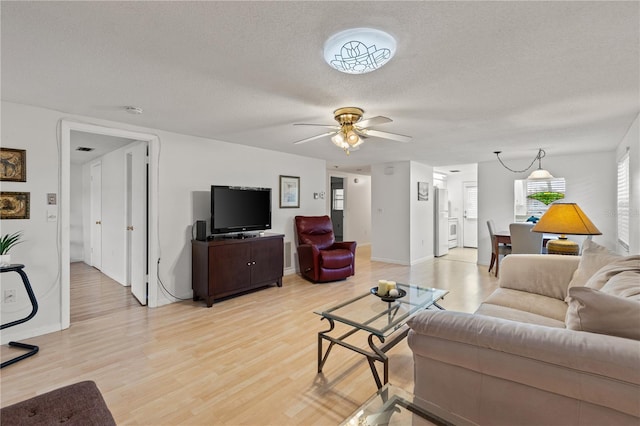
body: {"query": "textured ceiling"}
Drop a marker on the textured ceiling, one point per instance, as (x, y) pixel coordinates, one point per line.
(468, 78)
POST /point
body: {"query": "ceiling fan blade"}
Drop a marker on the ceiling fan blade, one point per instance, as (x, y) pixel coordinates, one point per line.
(313, 138)
(387, 135)
(330, 126)
(373, 121)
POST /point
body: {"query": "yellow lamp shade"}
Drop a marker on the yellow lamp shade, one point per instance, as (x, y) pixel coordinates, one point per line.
(565, 218)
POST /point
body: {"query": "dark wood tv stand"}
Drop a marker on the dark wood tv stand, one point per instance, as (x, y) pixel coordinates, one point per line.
(223, 267)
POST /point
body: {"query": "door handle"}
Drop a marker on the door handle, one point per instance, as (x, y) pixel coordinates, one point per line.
(98, 222)
(129, 228)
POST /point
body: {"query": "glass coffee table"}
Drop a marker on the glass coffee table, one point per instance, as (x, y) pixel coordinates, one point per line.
(384, 320)
(393, 406)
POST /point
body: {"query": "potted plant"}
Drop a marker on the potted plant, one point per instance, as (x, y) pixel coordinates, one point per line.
(6, 243)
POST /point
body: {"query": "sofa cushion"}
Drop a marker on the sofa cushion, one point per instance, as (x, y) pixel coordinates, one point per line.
(625, 284)
(599, 312)
(604, 274)
(512, 314)
(529, 302)
(548, 275)
(594, 256)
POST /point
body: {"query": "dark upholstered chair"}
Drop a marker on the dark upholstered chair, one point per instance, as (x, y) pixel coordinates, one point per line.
(321, 258)
(80, 404)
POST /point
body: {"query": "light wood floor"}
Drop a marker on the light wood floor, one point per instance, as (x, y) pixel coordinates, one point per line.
(249, 360)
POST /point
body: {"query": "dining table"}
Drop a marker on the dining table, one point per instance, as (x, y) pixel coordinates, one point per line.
(504, 237)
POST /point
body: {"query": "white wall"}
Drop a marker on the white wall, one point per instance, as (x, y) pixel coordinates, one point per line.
(357, 213)
(402, 227)
(631, 141)
(590, 182)
(422, 214)
(390, 212)
(188, 167)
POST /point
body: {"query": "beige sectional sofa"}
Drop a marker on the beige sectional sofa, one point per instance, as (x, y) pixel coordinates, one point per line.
(558, 343)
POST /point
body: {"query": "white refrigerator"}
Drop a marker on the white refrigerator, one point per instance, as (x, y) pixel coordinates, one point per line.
(441, 214)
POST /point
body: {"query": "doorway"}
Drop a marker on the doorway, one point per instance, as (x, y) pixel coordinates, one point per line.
(337, 207)
(470, 218)
(153, 143)
(113, 240)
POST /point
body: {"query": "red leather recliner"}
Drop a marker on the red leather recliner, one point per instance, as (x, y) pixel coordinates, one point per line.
(321, 258)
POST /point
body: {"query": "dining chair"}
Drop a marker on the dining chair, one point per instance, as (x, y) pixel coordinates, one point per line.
(523, 241)
(497, 250)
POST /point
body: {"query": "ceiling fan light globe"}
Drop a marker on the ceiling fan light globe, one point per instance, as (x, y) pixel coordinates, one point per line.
(352, 138)
(357, 144)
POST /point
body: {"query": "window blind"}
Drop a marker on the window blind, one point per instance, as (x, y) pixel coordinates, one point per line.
(623, 201)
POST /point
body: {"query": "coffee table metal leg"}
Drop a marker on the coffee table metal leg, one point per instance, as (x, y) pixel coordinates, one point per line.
(382, 357)
(322, 358)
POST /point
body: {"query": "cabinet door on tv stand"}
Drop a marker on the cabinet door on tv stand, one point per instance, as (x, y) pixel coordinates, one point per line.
(229, 269)
(267, 261)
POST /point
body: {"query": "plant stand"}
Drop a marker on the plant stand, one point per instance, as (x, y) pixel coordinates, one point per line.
(34, 303)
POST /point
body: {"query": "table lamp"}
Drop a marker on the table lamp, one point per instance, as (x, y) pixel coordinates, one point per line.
(565, 218)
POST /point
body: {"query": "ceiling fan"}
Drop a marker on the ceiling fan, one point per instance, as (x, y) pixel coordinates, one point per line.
(351, 131)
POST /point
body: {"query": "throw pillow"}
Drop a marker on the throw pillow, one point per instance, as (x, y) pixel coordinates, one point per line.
(598, 312)
(594, 257)
(604, 274)
(625, 284)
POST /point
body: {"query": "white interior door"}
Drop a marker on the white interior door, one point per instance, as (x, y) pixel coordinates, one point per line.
(470, 219)
(96, 215)
(136, 202)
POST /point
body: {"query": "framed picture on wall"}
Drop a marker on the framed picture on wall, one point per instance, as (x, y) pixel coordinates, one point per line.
(423, 191)
(13, 165)
(14, 205)
(289, 192)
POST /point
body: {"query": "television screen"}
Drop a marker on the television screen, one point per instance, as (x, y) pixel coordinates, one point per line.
(239, 209)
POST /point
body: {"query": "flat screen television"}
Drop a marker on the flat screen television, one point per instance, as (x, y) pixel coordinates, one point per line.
(237, 209)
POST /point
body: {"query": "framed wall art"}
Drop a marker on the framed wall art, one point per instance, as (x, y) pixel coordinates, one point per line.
(14, 205)
(423, 191)
(289, 192)
(13, 166)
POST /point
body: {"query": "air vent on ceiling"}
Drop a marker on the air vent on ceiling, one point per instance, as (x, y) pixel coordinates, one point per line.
(84, 149)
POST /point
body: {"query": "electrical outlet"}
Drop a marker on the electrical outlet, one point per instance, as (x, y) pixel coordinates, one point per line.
(9, 296)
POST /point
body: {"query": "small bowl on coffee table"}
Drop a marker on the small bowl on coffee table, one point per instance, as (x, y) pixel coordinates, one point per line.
(387, 298)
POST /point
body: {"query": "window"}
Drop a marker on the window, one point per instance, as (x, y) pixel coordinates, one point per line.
(533, 196)
(623, 201)
(338, 199)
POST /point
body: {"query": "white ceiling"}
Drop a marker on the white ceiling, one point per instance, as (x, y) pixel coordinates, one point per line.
(468, 78)
(99, 144)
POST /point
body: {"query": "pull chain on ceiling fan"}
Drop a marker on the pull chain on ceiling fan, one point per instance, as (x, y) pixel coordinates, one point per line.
(350, 133)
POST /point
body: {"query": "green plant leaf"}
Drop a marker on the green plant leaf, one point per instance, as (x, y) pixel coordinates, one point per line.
(8, 241)
(546, 197)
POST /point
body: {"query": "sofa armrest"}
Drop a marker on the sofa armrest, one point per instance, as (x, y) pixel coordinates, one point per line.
(545, 274)
(572, 363)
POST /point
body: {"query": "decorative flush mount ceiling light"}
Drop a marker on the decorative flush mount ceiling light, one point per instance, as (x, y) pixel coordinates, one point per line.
(540, 173)
(359, 50)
